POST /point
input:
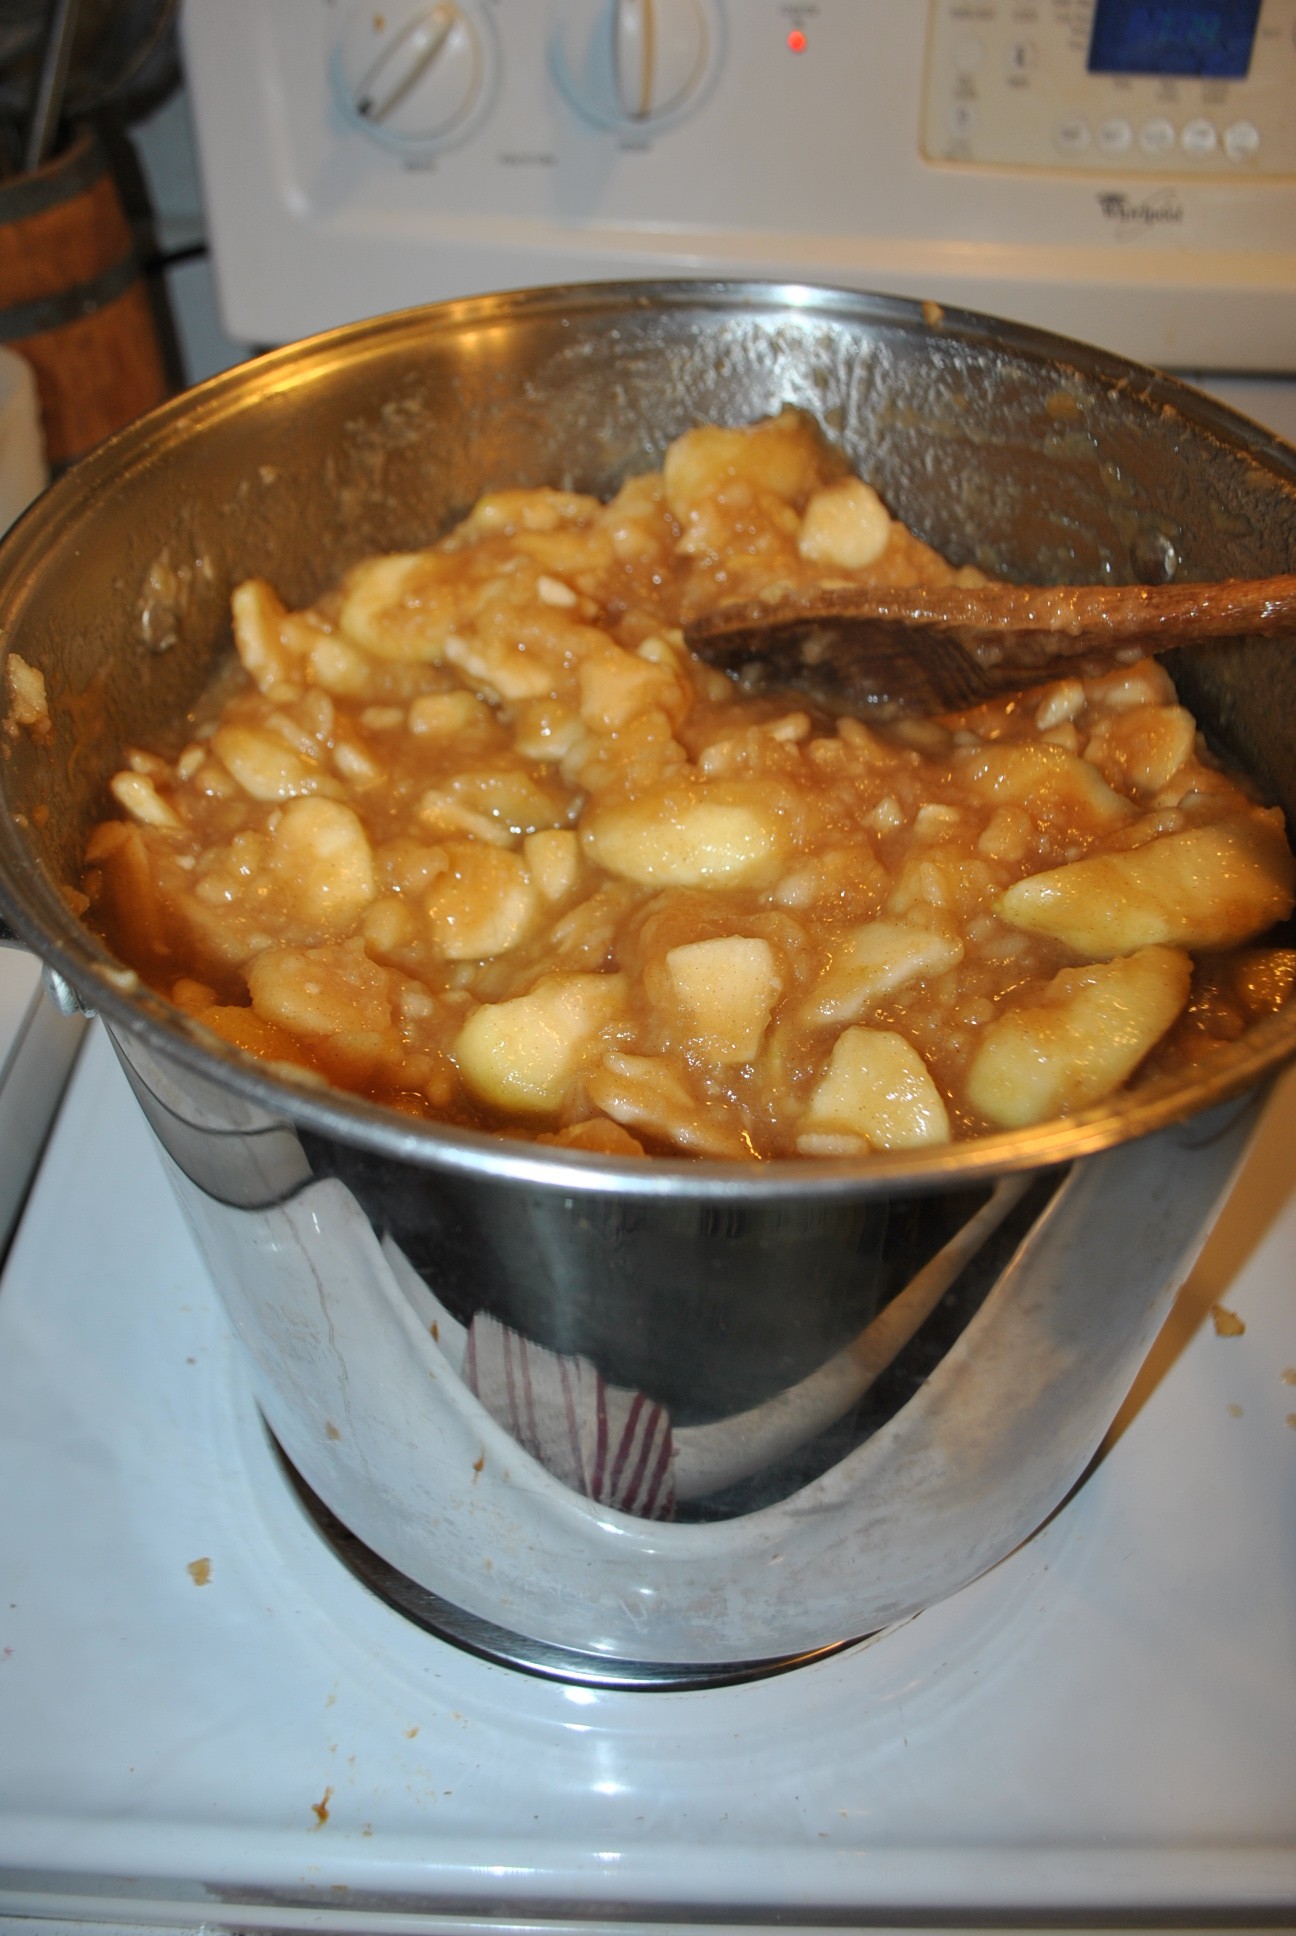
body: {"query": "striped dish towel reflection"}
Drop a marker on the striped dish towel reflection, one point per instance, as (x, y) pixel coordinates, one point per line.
(613, 1445)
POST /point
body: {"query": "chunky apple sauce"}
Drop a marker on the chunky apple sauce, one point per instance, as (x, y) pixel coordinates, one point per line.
(475, 837)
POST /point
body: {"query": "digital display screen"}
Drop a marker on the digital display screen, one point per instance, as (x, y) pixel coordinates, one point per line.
(1174, 37)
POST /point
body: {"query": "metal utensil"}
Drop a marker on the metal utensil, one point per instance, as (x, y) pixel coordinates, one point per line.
(933, 649)
(51, 83)
(123, 56)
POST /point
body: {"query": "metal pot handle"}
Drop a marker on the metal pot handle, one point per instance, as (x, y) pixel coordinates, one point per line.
(59, 990)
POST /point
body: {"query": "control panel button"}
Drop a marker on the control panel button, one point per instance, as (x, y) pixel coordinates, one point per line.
(1241, 140)
(969, 55)
(1071, 134)
(658, 50)
(962, 120)
(414, 77)
(1157, 137)
(635, 64)
(1020, 56)
(1115, 136)
(1199, 137)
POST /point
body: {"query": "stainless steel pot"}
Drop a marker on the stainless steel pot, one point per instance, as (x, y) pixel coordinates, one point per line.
(709, 1286)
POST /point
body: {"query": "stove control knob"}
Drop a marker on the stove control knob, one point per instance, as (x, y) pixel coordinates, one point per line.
(415, 78)
(636, 63)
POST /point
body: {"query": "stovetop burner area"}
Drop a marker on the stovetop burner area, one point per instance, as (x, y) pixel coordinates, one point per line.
(207, 1720)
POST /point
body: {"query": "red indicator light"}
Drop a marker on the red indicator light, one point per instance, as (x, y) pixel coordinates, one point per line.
(796, 41)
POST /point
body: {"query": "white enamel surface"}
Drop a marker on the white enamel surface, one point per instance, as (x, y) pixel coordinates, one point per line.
(1105, 1722)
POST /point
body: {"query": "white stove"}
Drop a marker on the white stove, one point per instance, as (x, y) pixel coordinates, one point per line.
(1116, 172)
(207, 1722)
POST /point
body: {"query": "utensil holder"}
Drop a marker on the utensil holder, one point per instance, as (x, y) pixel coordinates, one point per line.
(72, 300)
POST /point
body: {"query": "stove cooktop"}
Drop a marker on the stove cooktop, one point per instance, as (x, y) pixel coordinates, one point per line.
(206, 1720)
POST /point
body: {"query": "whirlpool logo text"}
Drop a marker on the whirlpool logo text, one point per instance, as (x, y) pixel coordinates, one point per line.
(1163, 210)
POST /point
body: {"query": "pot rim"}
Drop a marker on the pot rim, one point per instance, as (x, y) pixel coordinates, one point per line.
(40, 918)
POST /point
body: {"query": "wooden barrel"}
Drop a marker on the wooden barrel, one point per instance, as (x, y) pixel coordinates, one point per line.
(72, 301)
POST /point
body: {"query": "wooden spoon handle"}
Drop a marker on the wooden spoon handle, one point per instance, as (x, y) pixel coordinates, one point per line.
(1062, 617)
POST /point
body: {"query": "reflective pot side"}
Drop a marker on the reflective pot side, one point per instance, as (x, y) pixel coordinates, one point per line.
(708, 1306)
(372, 1414)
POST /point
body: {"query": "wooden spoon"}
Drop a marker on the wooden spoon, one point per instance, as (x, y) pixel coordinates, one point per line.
(940, 648)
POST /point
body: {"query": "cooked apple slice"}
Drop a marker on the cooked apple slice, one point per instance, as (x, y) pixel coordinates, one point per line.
(877, 1086)
(783, 455)
(1088, 1033)
(846, 525)
(1052, 783)
(484, 904)
(1208, 887)
(688, 836)
(725, 989)
(874, 959)
(524, 1053)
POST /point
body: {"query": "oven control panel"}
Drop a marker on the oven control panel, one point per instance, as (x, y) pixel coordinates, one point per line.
(1198, 88)
(419, 78)
(363, 155)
